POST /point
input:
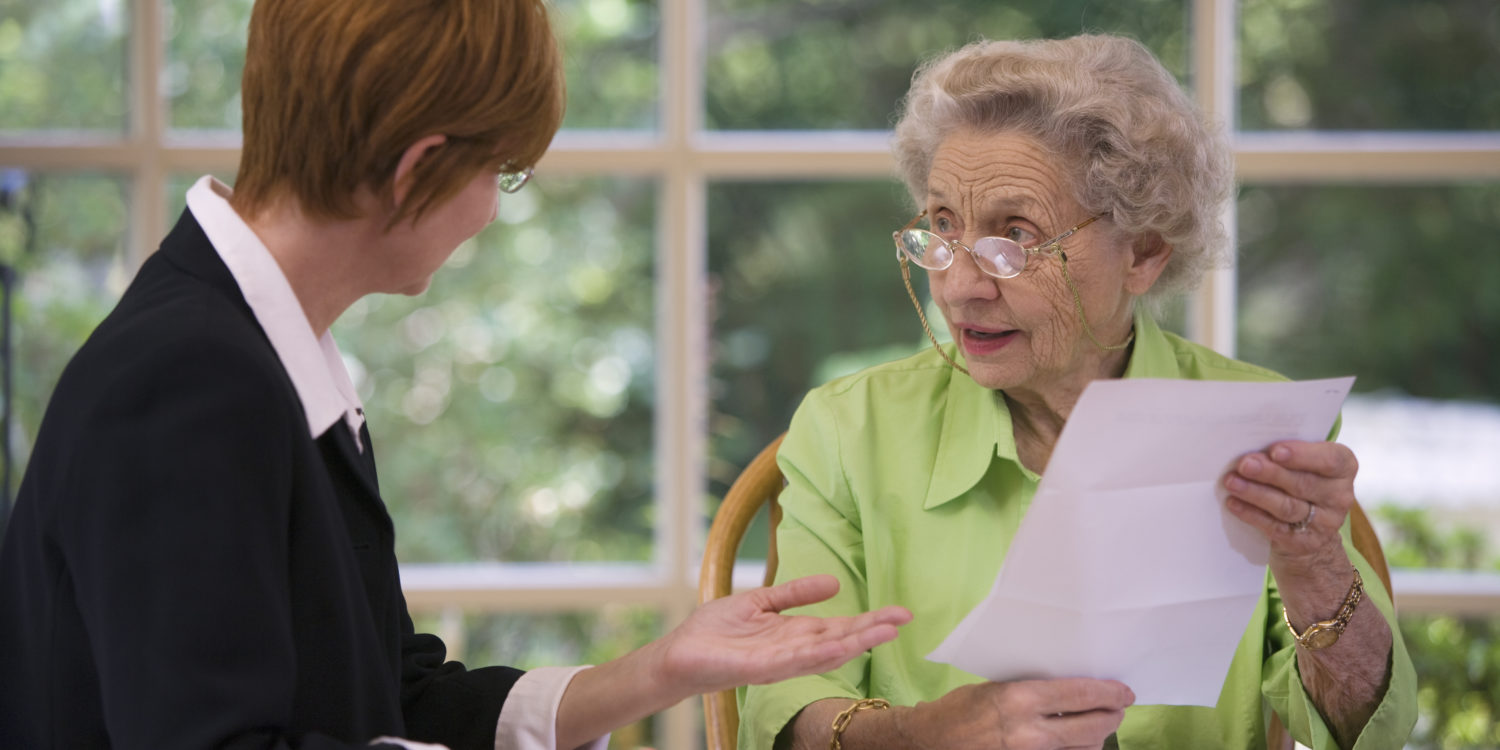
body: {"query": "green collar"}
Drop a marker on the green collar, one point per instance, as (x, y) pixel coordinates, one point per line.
(976, 421)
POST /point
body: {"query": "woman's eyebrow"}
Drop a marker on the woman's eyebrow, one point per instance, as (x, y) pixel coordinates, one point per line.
(1014, 204)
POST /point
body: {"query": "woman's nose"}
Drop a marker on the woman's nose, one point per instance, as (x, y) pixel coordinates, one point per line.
(964, 281)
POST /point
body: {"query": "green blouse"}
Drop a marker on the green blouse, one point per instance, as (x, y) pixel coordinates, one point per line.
(903, 481)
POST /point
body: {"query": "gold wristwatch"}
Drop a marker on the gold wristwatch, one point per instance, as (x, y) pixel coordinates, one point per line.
(1326, 633)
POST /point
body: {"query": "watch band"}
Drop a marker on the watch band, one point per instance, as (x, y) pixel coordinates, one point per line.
(1326, 633)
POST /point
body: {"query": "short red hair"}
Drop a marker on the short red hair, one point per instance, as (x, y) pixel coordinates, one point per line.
(335, 91)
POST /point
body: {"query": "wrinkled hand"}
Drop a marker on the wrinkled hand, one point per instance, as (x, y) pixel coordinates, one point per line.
(744, 639)
(1276, 490)
(1025, 715)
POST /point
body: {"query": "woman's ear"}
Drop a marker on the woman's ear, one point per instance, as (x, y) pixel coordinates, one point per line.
(401, 181)
(1148, 258)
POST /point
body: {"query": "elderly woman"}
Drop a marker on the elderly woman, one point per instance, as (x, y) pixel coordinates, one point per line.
(1062, 186)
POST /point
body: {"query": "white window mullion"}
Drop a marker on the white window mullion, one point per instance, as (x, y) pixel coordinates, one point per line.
(1383, 157)
(1211, 313)
(147, 126)
(682, 334)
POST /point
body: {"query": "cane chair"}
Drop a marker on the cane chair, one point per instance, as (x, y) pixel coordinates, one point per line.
(761, 483)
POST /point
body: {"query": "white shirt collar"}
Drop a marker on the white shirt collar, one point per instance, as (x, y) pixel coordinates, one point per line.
(314, 364)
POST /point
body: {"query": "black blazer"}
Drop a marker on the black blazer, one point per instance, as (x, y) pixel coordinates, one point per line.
(185, 567)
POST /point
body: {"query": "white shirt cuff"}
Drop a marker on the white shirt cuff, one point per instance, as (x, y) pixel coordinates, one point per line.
(528, 720)
(408, 744)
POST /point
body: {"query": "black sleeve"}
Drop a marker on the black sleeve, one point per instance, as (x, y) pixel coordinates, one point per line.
(443, 701)
(175, 528)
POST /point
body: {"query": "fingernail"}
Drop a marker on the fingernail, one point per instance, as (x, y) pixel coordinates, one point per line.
(1251, 465)
(1235, 483)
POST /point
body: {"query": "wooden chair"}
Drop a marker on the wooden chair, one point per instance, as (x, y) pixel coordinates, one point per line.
(761, 484)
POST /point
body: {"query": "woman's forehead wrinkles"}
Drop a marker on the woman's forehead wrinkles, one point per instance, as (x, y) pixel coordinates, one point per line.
(989, 192)
(991, 176)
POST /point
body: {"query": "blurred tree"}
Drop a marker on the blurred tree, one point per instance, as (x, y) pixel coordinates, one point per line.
(1457, 658)
(1386, 283)
(205, 60)
(790, 64)
(801, 274)
(1369, 65)
(511, 405)
(62, 65)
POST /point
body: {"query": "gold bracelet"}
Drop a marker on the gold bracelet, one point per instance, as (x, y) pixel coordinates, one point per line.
(841, 722)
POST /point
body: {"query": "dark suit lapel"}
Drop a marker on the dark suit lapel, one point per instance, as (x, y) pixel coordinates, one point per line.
(360, 466)
(188, 249)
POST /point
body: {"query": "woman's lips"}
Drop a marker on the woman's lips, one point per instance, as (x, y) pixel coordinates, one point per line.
(978, 342)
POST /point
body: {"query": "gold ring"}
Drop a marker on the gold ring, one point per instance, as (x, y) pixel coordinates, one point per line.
(1312, 510)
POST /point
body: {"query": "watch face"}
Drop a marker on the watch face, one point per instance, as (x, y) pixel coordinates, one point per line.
(1320, 636)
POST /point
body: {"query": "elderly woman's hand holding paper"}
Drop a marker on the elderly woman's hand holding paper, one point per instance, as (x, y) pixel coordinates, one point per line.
(1060, 187)
(1299, 494)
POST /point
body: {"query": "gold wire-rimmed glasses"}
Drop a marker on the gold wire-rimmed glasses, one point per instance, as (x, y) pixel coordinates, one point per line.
(510, 182)
(995, 256)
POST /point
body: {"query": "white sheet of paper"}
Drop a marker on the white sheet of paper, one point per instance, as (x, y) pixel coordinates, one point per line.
(1128, 566)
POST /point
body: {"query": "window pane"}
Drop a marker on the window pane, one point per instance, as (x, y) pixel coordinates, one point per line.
(205, 58)
(805, 288)
(65, 238)
(1396, 286)
(800, 64)
(1458, 667)
(62, 64)
(1369, 64)
(511, 404)
(528, 641)
(1392, 285)
(610, 60)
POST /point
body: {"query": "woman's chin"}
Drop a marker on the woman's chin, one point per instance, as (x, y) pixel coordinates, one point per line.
(995, 376)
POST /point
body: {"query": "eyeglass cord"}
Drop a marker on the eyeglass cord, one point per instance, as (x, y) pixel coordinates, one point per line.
(1077, 307)
(906, 278)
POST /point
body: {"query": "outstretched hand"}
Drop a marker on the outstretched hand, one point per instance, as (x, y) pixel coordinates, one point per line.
(744, 639)
(738, 640)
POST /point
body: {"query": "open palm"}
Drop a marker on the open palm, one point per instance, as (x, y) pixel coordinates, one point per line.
(744, 639)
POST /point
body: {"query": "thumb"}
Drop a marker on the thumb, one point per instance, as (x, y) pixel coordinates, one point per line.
(798, 592)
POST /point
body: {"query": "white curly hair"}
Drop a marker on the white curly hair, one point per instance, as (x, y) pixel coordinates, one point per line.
(1140, 152)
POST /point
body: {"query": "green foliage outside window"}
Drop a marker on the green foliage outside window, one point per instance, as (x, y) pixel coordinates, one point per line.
(1369, 65)
(511, 404)
(804, 64)
(205, 58)
(62, 65)
(1457, 658)
(1389, 283)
